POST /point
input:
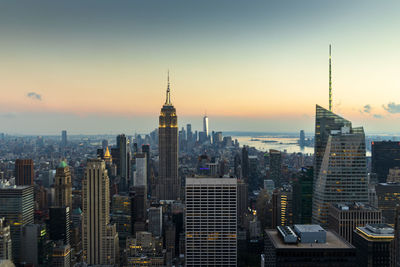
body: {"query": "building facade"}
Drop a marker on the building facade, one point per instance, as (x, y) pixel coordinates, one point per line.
(24, 172)
(275, 166)
(5, 241)
(388, 198)
(17, 207)
(211, 222)
(302, 196)
(100, 239)
(373, 243)
(385, 155)
(342, 169)
(155, 221)
(343, 218)
(63, 186)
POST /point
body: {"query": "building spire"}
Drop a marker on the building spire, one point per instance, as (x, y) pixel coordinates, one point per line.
(168, 98)
(330, 80)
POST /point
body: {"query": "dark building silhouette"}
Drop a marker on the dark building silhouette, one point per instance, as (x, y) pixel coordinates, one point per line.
(59, 224)
(388, 198)
(245, 164)
(168, 184)
(64, 140)
(24, 172)
(123, 166)
(302, 138)
(139, 208)
(395, 252)
(302, 196)
(275, 166)
(146, 150)
(385, 156)
(373, 243)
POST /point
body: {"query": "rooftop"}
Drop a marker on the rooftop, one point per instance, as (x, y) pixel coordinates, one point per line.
(333, 241)
(354, 206)
(376, 231)
(210, 180)
(62, 164)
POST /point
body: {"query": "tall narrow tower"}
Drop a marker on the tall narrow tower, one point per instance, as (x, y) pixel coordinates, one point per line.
(330, 79)
(100, 239)
(63, 186)
(205, 124)
(168, 186)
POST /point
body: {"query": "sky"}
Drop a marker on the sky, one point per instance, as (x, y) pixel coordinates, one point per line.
(101, 67)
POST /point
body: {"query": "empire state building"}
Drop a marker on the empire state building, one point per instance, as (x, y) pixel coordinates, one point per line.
(168, 185)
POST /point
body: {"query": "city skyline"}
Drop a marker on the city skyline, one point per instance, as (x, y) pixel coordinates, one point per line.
(89, 70)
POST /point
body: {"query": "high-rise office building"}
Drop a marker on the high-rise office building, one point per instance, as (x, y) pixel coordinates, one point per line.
(302, 196)
(205, 124)
(342, 168)
(17, 207)
(242, 201)
(155, 221)
(211, 222)
(24, 172)
(302, 138)
(100, 239)
(59, 224)
(343, 218)
(5, 241)
(395, 250)
(36, 246)
(282, 206)
(203, 138)
(189, 133)
(373, 244)
(63, 186)
(325, 122)
(123, 164)
(388, 198)
(275, 166)
(245, 164)
(146, 150)
(121, 215)
(385, 155)
(139, 208)
(64, 141)
(140, 176)
(168, 184)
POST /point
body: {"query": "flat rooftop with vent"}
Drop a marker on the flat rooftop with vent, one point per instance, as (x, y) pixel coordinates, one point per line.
(306, 245)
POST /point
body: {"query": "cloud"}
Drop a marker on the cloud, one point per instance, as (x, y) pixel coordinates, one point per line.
(367, 108)
(392, 107)
(34, 96)
(377, 116)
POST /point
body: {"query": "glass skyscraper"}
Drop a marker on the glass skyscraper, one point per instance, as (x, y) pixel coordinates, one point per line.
(340, 164)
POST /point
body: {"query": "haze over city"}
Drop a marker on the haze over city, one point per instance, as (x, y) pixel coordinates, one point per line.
(101, 67)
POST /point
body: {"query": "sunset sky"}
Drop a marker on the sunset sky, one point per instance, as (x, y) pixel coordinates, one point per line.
(101, 66)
